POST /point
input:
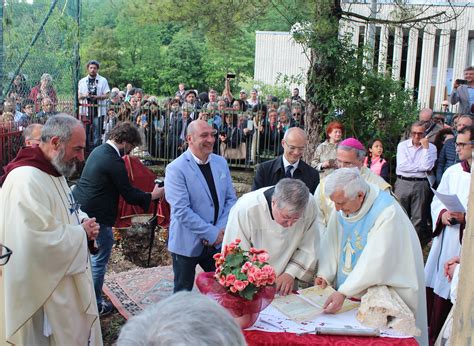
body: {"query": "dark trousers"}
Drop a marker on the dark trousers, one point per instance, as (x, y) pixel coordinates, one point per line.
(184, 268)
(438, 311)
(415, 197)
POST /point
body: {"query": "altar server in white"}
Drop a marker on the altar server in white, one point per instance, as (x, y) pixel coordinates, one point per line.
(370, 241)
(282, 220)
(448, 226)
(46, 291)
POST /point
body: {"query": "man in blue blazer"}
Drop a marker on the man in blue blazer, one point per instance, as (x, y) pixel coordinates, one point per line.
(198, 186)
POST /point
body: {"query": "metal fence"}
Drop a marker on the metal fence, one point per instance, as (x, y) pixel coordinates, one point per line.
(39, 52)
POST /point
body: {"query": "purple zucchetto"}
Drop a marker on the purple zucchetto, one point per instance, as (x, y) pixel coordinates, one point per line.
(353, 143)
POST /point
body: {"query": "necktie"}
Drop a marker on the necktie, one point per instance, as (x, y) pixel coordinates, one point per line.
(288, 172)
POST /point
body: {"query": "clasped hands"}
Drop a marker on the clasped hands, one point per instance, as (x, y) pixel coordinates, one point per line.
(450, 215)
(334, 303)
(91, 227)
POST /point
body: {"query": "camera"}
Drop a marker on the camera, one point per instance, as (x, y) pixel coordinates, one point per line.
(461, 81)
(453, 221)
(230, 75)
(159, 182)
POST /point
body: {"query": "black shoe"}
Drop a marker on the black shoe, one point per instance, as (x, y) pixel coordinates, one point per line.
(105, 308)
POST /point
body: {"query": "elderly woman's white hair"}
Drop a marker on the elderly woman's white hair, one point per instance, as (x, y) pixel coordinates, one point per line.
(185, 318)
(347, 180)
(46, 77)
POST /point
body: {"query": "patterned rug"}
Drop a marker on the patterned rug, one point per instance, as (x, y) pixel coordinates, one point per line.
(134, 290)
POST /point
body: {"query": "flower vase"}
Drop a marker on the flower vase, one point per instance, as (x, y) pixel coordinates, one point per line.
(247, 320)
(245, 312)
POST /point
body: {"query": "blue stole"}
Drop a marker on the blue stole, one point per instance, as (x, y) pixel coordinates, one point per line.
(354, 236)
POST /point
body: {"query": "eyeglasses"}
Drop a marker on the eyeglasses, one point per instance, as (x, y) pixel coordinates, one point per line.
(296, 114)
(5, 254)
(461, 145)
(417, 133)
(293, 148)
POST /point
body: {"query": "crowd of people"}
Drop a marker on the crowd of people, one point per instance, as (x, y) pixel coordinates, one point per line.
(336, 221)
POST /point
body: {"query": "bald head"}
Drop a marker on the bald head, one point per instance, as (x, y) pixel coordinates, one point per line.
(294, 143)
(201, 137)
(426, 114)
(32, 134)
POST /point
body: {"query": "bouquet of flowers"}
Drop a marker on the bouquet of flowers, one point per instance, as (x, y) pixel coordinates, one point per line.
(243, 282)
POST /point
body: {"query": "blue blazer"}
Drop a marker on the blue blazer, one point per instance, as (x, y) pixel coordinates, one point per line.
(192, 208)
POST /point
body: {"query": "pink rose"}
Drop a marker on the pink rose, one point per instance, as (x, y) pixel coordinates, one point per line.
(237, 240)
(239, 285)
(222, 280)
(233, 289)
(246, 267)
(263, 257)
(229, 280)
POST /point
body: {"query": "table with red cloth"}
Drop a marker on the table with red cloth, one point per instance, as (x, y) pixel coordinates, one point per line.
(257, 337)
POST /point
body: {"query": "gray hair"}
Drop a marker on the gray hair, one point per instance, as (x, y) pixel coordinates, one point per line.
(360, 153)
(285, 109)
(418, 123)
(291, 194)
(28, 132)
(185, 318)
(59, 125)
(47, 76)
(347, 180)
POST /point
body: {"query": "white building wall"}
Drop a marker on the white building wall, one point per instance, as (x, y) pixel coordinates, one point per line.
(277, 53)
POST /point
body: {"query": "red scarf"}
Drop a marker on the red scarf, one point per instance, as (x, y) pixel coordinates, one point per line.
(465, 166)
(33, 157)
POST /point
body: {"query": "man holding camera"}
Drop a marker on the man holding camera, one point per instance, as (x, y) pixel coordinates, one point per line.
(93, 92)
(463, 92)
(103, 180)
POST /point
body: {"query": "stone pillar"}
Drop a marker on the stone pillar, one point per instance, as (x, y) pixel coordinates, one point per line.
(383, 48)
(411, 58)
(426, 66)
(397, 53)
(443, 55)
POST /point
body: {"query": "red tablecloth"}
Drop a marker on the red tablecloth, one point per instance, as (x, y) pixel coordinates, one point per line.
(255, 337)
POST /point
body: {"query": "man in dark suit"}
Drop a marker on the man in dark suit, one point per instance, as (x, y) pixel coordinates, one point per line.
(103, 180)
(288, 165)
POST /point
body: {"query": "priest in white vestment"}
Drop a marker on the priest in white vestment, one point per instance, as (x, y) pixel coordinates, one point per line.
(448, 226)
(46, 291)
(370, 241)
(281, 220)
(350, 153)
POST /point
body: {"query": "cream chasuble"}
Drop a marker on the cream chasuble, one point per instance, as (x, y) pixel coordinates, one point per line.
(391, 256)
(48, 277)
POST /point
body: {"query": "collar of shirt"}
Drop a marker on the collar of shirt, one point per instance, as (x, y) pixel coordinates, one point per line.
(286, 164)
(198, 161)
(410, 145)
(109, 142)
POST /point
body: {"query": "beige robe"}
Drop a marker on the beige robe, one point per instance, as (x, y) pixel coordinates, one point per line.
(392, 257)
(326, 206)
(48, 276)
(291, 249)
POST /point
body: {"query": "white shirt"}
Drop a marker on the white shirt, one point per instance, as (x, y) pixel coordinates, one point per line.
(415, 162)
(198, 161)
(286, 164)
(102, 89)
(112, 144)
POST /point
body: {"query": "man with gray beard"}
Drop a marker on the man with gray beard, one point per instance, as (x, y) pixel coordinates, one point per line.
(46, 291)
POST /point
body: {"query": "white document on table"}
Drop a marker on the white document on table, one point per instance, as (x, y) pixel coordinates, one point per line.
(451, 202)
(272, 320)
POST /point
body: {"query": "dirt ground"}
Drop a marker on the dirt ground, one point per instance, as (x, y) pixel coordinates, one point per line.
(127, 254)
